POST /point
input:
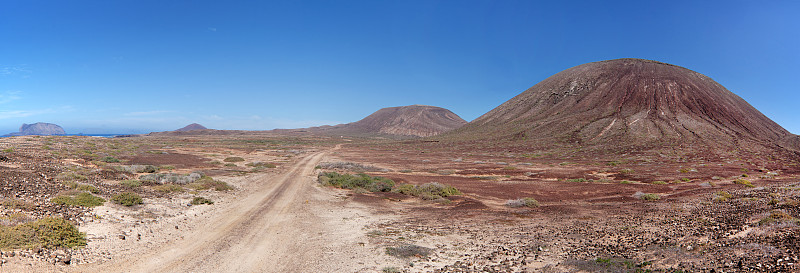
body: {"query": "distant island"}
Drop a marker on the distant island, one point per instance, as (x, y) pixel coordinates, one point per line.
(39, 129)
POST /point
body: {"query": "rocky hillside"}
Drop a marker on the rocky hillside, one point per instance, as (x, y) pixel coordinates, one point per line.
(628, 103)
(191, 127)
(412, 120)
(39, 128)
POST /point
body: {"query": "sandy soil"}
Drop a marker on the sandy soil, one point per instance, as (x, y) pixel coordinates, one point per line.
(276, 222)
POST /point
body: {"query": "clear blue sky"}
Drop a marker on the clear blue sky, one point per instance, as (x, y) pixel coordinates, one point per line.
(138, 66)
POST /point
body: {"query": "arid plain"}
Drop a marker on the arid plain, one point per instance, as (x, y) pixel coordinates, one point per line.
(618, 166)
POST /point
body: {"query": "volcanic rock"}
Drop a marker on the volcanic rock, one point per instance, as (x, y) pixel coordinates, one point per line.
(624, 103)
(191, 127)
(412, 120)
(40, 129)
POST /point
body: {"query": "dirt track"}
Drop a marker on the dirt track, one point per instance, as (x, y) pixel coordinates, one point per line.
(282, 226)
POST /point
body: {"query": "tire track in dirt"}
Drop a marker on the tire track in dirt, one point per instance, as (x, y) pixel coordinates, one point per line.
(253, 236)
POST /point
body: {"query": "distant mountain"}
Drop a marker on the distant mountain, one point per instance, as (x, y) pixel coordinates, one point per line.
(633, 103)
(412, 120)
(191, 127)
(40, 129)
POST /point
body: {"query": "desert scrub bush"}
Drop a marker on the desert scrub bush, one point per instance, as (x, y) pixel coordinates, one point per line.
(722, 196)
(43, 233)
(577, 180)
(523, 202)
(658, 183)
(13, 203)
(14, 218)
(127, 199)
(87, 187)
(163, 178)
(744, 182)
(201, 200)
(234, 159)
(391, 269)
(428, 191)
(131, 184)
(778, 216)
(626, 182)
(138, 168)
(650, 197)
(355, 167)
(261, 164)
(349, 181)
(206, 182)
(109, 159)
(83, 199)
(406, 251)
(230, 165)
(168, 188)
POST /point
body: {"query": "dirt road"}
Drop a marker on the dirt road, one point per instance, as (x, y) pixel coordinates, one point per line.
(285, 225)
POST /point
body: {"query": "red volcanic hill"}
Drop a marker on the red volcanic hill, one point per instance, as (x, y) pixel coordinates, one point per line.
(627, 103)
(191, 127)
(412, 120)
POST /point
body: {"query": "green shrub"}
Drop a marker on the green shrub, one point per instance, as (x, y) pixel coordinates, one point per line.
(233, 159)
(230, 165)
(577, 180)
(744, 182)
(86, 187)
(778, 216)
(262, 165)
(109, 159)
(523, 202)
(45, 233)
(722, 196)
(626, 182)
(131, 184)
(206, 182)
(650, 196)
(363, 181)
(127, 199)
(83, 199)
(391, 269)
(168, 188)
(428, 191)
(659, 183)
(201, 200)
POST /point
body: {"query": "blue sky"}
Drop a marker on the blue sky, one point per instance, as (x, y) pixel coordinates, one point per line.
(139, 66)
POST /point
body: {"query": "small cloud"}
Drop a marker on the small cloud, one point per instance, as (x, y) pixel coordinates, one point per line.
(14, 70)
(9, 96)
(212, 29)
(28, 113)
